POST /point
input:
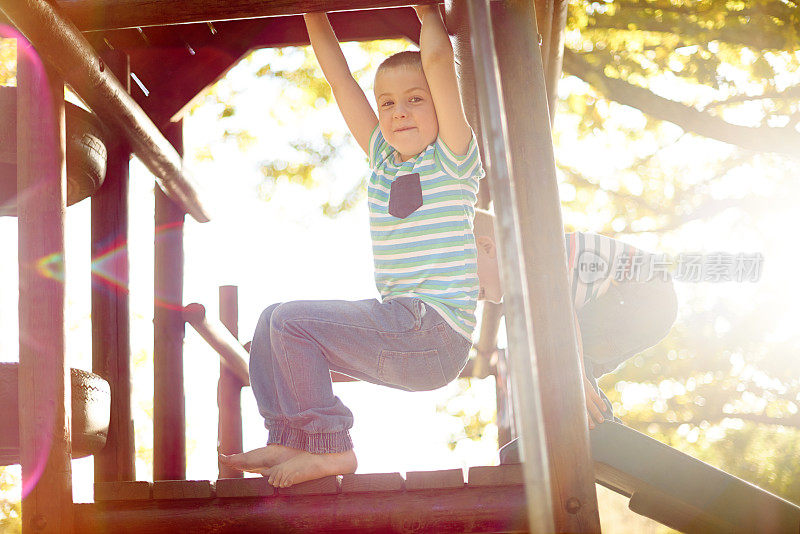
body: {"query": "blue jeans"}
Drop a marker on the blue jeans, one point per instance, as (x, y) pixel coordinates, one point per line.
(399, 343)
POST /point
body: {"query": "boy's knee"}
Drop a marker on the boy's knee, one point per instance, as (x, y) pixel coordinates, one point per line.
(282, 314)
(266, 315)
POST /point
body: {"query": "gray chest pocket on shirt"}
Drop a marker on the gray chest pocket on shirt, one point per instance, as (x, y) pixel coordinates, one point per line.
(412, 371)
(405, 195)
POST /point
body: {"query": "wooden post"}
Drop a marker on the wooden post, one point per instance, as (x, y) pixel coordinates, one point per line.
(44, 393)
(458, 25)
(229, 388)
(111, 351)
(506, 429)
(500, 169)
(169, 419)
(542, 233)
(555, 54)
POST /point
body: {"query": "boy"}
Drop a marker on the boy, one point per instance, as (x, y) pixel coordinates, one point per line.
(425, 171)
(621, 304)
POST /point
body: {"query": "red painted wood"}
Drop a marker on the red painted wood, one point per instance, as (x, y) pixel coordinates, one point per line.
(371, 482)
(544, 256)
(424, 480)
(181, 489)
(495, 475)
(244, 487)
(169, 423)
(44, 397)
(94, 15)
(324, 485)
(489, 509)
(229, 387)
(138, 490)
(111, 353)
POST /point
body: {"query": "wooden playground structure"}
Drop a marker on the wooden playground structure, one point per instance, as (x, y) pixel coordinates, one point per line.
(509, 58)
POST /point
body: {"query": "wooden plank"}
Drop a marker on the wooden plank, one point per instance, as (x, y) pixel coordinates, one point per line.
(182, 489)
(229, 388)
(502, 171)
(169, 420)
(630, 462)
(495, 475)
(138, 490)
(677, 514)
(541, 238)
(368, 482)
(111, 353)
(231, 352)
(244, 487)
(486, 509)
(424, 480)
(94, 15)
(44, 392)
(321, 486)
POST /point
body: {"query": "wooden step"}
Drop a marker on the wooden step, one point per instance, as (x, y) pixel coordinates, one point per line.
(244, 487)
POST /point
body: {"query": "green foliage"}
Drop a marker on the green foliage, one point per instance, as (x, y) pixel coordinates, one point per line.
(10, 506)
(306, 160)
(8, 61)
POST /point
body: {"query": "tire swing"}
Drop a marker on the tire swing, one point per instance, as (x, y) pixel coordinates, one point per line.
(86, 152)
(91, 409)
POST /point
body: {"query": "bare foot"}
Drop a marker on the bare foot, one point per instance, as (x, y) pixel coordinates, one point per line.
(258, 460)
(306, 466)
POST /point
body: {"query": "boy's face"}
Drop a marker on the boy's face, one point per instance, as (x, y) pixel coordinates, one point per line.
(405, 110)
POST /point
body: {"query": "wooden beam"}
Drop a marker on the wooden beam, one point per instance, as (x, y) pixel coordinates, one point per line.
(233, 355)
(544, 257)
(98, 15)
(61, 45)
(111, 351)
(481, 509)
(229, 387)
(503, 178)
(169, 420)
(44, 393)
(555, 54)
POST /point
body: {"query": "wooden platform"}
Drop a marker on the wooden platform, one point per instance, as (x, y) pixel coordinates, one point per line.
(491, 499)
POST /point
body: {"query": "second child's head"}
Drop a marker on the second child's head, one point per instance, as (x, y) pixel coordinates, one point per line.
(491, 287)
(406, 114)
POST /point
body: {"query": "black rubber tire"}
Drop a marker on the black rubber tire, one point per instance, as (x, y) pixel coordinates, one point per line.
(87, 155)
(91, 409)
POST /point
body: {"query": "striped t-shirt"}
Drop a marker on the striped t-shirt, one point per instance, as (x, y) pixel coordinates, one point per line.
(594, 260)
(430, 254)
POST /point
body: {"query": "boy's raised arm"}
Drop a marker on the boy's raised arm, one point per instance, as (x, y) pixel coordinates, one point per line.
(440, 71)
(353, 104)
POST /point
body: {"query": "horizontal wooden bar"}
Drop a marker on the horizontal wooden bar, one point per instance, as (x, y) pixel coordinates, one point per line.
(182, 489)
(329, 485)
(233, 354)
(501, 475)
(61, 45)
(424, 480)
(369, 482)
(483, 509)
(98, 15)
(138, 490)
(244, 487)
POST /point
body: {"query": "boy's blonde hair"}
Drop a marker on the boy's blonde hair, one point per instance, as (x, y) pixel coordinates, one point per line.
(483, 224)
(409, 58)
